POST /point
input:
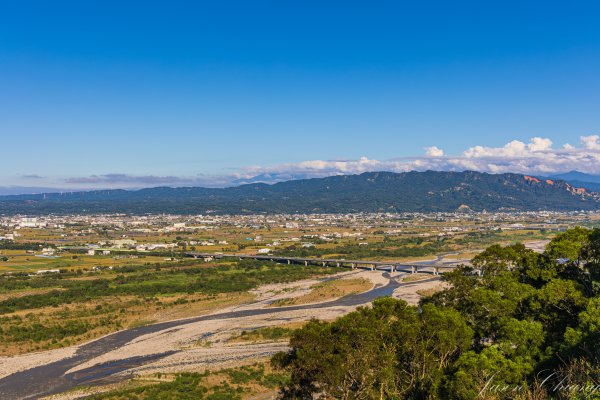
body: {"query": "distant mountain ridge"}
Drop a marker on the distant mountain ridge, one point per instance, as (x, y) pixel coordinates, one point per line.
(580, 179)
(368, 192)
(577, 176)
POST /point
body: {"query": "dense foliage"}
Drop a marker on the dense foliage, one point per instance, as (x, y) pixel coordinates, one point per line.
(406, 247)
(113, 292)
(12, 245)
(245, 275)
(368, 192)
(528, 329)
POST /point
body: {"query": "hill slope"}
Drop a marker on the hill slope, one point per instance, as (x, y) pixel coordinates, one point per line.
(368, 192)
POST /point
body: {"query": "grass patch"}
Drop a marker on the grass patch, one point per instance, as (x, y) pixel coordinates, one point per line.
(141, 322)
(415, 277)
(327, 290)
(267, 334)
(430, 291)
(226, 384)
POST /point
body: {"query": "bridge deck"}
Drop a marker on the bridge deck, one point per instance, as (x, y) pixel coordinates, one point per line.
(393, 265)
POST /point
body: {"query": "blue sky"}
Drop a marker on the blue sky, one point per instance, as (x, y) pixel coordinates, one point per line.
(118, 93)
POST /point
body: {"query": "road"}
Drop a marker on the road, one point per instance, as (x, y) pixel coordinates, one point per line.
(52, 378)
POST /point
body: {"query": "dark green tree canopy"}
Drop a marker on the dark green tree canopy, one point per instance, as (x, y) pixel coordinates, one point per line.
(488, 337)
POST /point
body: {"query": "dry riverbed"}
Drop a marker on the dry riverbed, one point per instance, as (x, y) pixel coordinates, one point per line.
(216, 344)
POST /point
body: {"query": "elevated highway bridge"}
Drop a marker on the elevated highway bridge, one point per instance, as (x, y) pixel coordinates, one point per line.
(391, 266)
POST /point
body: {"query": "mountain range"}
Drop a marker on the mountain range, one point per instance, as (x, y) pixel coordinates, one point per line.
(580, 179)
(368, 192)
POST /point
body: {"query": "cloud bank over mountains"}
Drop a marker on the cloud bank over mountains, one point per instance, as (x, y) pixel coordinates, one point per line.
(538, 157)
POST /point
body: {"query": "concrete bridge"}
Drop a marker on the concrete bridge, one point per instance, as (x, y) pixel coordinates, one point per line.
(390, 266)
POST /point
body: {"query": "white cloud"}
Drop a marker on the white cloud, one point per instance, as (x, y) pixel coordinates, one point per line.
(539, 144)
(512, 149)
(591, 142)
(537, 157)
(434, 151)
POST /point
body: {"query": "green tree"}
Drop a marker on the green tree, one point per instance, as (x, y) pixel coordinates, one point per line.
(568, 244)
(481, 337)
(497, 258)
(388, 351)
(584, 338)
(557, 305)
(486, 375)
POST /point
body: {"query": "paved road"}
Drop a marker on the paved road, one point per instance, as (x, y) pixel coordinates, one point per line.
(51, 378)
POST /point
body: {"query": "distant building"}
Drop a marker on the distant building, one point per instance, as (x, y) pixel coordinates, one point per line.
(27, 222)
(124, 243)
(47, 271)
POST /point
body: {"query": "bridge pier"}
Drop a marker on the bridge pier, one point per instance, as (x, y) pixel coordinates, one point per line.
(354, 264)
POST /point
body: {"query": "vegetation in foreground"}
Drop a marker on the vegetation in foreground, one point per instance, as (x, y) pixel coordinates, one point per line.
(226, 384)
(529, 329)
(54, 311)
